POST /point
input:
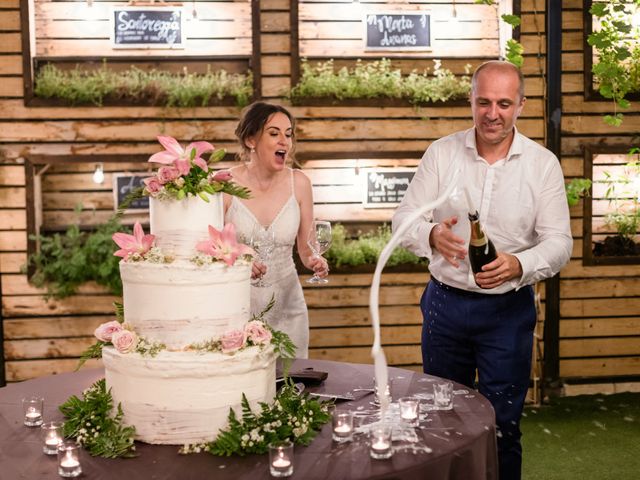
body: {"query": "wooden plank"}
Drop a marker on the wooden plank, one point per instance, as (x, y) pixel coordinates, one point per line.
(364, 279)
(12, 241)
(600, 327)
(392, 295)
(572, 83)
(68, 200)
(275, 86)
(11, 176)
(396, 354)
(599, 347)
(359, 316)
(348, 47)
(8, 4)
(47, 348)
(10, 65)
(29, 306)
(441, 30)
(12, 197)
(20, 285)
(575, 269)
(273, 65)
(18, 371)
(11, 86)
(13, 220)
(10, 43)
(599, 307)
(572, 62)
(10, 21)
(275, 43)
(362, 336)
(49, 29)
(12, 262)
(88, 47)
(274, 22)
(332, 11)
(121, 131)
(57, 220)
(53, 327)
(100, 10)
(596, 287)
(600, 367)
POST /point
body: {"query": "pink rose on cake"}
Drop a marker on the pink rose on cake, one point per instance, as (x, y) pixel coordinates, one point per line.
(125, 341)
(257, 332)
(105, 331)
(223, 245)
(233, 340)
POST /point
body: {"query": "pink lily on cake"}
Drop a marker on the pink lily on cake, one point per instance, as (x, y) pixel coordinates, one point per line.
(138, 243)
(176, 155)
(223, 245)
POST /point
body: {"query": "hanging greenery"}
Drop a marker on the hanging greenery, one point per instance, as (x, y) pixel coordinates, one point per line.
(184, 89)
(616, 42)
(379, 79)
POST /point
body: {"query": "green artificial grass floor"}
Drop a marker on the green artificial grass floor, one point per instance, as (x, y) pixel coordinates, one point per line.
(588, 437)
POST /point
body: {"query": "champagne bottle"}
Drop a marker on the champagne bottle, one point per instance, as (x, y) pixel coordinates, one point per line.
(481, 249)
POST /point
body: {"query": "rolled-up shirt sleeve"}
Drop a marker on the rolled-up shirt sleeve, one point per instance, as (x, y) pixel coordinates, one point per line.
(422, 189)
(552, 250)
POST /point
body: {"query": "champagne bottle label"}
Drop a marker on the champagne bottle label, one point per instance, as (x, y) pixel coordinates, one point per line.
(481, 249)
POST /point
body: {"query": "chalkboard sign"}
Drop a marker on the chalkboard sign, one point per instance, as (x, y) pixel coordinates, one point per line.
(397, 31)
(123, 185)
(147, 27)
(385, 187)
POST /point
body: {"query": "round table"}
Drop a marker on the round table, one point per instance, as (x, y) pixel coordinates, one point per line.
(462, 441)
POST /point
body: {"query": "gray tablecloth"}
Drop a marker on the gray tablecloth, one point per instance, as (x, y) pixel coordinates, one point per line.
(462, 440)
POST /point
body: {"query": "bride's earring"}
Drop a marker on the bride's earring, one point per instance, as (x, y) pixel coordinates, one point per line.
(253, 149)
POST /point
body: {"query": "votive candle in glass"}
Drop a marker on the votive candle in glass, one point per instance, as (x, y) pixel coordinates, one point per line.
(409, 410)
(32, 408)
(342, 423)
(281, 459)
(51, 437)
(443, 395)
(69, 460)
(380, 437)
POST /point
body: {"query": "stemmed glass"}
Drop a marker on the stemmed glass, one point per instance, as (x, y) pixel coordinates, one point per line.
(319, 241)
(263, 242)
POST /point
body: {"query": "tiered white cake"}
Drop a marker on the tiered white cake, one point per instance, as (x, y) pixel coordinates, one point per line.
(183, 396)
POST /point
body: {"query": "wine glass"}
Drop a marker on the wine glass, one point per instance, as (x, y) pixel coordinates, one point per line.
(319, 241)
(263, 242)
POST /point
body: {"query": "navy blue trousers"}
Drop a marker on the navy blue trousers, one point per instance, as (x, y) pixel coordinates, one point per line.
(465, 331)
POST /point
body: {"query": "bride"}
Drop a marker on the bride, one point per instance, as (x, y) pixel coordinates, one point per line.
(282, 203)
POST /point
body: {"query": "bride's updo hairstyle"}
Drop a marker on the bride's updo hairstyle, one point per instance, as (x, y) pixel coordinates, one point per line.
(252, 122)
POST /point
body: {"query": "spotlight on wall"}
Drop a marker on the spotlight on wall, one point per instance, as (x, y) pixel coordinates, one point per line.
(98, 174)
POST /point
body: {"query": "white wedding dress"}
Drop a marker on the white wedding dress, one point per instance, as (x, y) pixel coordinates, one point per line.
(289, 314)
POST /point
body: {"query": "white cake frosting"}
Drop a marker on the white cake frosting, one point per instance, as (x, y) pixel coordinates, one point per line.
(183, 396)
(179, 224)
(181, 303)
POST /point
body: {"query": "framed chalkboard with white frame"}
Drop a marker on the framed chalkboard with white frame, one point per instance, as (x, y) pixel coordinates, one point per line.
(397, 30)
(147, 27)
(385, 187)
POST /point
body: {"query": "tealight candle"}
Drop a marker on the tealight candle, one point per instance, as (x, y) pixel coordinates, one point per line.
(281, 459)
(68, 460)
(342, 426)
(380, 436)
(52, 436)
(409, 410)
(32, 408)
(443, 395)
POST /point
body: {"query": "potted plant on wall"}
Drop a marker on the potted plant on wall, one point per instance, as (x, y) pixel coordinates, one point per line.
(623, 194)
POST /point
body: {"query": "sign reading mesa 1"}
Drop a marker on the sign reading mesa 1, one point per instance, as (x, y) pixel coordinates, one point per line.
(397, 31)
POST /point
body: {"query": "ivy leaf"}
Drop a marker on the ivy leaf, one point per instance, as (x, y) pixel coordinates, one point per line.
(613, 120)
(513, 20)
(598, 9)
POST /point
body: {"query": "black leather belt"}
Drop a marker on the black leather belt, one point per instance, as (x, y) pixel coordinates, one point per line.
(464, 293)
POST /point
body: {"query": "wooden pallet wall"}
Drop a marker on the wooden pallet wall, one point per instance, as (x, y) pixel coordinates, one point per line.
(334, 142)
(600, 305)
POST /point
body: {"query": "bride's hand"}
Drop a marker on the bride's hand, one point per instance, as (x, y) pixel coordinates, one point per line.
(319, 266)
(258, 270)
